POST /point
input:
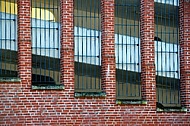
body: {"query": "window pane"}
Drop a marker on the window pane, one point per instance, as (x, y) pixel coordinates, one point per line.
(8, 38)
(87, 45)
(167, 52)
(127, 48)
(45, 42)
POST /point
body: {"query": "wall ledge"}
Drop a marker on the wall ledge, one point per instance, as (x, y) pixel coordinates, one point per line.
(48, 87)
(90, 94)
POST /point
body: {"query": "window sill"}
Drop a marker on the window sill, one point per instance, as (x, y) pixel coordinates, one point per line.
(90, 94)
(172, 109)
(10, 79)
(48, 87)
(131, 102)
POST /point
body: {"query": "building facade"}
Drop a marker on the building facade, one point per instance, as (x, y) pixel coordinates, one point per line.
(94, 62)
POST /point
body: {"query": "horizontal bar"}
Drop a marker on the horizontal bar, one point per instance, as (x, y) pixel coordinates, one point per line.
(45, 28)
(167, 71)
(128, 44)
(47, 7)
(8, 19)
(165, 33)
(126, 25)
(166, 52)
(133, 5)
(87, 16)
(8, 39)
(128, 63)
(43, 48)
(86, 56)
(86, 36)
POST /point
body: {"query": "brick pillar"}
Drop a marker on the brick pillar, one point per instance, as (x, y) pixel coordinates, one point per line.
(148, 79)
(24, 41)
(185, 52)
(67, 45)
(108, 48)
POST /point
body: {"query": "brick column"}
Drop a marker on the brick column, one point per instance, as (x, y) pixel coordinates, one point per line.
(185, 52)
(24, 41)
(67, 45)
(108, 48)
(148, 79)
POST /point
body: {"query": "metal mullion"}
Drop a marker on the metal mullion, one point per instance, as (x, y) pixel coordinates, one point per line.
(134, 51)
(86, 70)
(82, 22)
(5, 35)
(99, 40)
(165, 54)
(122, 22)
(95, 72)
(78, 69)
(49, 62)
(1, 22)
(44, 39)
(178, 67)
(90, 46)
(15, 33)
(40, 42)
(117, 50)
(54, 37)
(161, 56)
(130, 33)
(139, 56)
(9, 72)
(170, 81)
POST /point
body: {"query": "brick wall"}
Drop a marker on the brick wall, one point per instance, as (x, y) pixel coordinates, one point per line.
(20, 105)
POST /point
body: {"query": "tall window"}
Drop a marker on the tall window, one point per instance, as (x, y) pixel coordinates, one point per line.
(167, 52)
(127, 48)
(8, 38)
(45, 42)
(87, 45)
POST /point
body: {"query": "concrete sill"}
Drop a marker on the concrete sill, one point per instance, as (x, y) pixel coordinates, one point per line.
(172, 109)
(90, 94)
(48, 87)
(131, 102)
(10, 79)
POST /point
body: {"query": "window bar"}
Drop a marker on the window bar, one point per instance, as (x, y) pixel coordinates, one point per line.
(127, 50)
(87, 45)
(45, 42)
(167, 52)
(8, 46)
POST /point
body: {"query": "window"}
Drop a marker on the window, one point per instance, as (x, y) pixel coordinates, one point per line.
(167, 53)
(127, 48)
(87, 45)
(8, 39)
(45, 42)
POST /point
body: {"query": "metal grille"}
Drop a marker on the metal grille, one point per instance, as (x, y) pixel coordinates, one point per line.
(167, 52)
(87, 45)
(8, 41)
(127, 47)
(45, 42)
